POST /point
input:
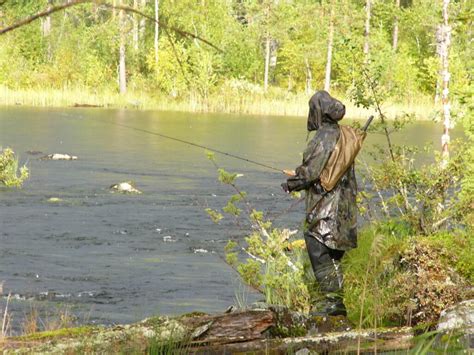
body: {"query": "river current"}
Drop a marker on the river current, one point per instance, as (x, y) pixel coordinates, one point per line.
(112, 258)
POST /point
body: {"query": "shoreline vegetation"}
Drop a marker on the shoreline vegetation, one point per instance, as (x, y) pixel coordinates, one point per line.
(271, 104)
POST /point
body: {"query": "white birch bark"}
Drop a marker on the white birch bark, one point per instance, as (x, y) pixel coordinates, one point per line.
(157, 29)
(395, 27)
(443, 36)
(309, 77)
(327, 78)
(46, 24)
(368, 6)
(135, 26)
(267, 63)
(142, 20)
(122, 68)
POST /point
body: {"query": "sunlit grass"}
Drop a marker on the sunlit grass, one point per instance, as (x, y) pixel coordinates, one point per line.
(273, 103)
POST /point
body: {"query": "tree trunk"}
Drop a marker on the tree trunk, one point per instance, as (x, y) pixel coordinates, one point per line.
(47, 31)
(443, 35)
(47, 22)
(122, 68)
(114, 11)
(142, 20)
(395, 26)
(135, 26)
(309, 77)
(368, 6)
(327, 79)
(157, 29)
(267, 63)
(437, 88)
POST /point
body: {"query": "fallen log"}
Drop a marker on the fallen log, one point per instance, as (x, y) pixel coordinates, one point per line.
(368, 341)
(253, 330)
(78, 105)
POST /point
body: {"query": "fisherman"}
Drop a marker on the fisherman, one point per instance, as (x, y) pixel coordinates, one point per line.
(330, 228)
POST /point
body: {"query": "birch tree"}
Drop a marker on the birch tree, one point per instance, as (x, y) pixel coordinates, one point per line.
(395, 26)
(135, 26)
(267, 62)
(443, 38)
(157, 29)
(327, 78)
(46, 29)
(266, 12)
(368, 10)
(122, 68)
(142, 20)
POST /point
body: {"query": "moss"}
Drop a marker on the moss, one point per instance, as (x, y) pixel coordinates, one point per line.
(285, 332)
(192, 315)
(59, 333)
(154, 321)
(330, 324)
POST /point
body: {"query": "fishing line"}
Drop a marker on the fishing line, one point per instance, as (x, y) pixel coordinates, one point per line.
(196, 145)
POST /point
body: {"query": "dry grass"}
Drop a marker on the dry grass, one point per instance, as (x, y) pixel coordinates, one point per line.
(6, 318)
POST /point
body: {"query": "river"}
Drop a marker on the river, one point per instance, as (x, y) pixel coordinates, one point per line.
(111, 258)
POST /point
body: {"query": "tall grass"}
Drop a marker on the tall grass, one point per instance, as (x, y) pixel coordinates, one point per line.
(6, 317)
(273, 103)
(368, 270)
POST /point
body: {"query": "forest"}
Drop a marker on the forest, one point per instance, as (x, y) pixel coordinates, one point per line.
(262, 53)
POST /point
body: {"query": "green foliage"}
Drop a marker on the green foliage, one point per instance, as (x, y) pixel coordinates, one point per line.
(9, 169)
(264, 260)
(225, 177)
(424, 197)
(81, 50)
(215, 216)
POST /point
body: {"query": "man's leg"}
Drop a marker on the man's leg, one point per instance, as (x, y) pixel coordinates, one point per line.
(327, 270)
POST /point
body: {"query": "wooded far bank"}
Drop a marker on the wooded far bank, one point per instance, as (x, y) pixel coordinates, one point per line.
(274, 54)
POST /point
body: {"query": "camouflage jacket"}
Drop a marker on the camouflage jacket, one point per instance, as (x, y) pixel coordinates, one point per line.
(331, 217)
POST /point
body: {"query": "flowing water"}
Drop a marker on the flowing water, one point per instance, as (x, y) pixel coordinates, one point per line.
(113, 258)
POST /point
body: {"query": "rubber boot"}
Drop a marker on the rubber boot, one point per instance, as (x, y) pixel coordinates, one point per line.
(328, 273)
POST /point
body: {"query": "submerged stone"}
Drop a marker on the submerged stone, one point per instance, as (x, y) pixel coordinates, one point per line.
(127, 187)
(58, 156)
(55, 199)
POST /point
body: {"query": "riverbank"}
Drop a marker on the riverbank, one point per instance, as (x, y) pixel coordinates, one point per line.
(274, 103)
(259, 329)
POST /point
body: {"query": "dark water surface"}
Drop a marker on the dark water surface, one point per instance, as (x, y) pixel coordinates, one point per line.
(117, 258)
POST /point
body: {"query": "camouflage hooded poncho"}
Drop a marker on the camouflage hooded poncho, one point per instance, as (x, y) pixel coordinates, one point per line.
(331, 216)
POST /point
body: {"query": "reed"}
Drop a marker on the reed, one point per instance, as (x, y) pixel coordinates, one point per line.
(275, 103)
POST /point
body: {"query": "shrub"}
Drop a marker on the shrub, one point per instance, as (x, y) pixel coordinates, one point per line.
(9, 169)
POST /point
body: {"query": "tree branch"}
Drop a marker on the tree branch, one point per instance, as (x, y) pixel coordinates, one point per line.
(381, 114)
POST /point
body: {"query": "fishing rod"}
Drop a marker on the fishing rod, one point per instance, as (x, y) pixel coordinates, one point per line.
(284, 171)
(198, 146)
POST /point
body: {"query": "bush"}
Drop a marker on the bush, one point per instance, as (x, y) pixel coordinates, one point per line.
(394, 279)
(9, 169)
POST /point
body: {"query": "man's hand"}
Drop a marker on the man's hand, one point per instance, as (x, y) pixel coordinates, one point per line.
(285, 188)
(289, 172)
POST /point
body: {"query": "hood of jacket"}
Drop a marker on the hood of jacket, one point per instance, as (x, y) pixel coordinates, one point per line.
(323, 108)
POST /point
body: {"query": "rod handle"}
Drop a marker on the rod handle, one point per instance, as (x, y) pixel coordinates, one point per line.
(367, 124)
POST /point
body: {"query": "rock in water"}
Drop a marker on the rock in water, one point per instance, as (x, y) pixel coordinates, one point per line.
(58, 156)
(127, 187)
(55, 199)
(459, 319)
(459, 316)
